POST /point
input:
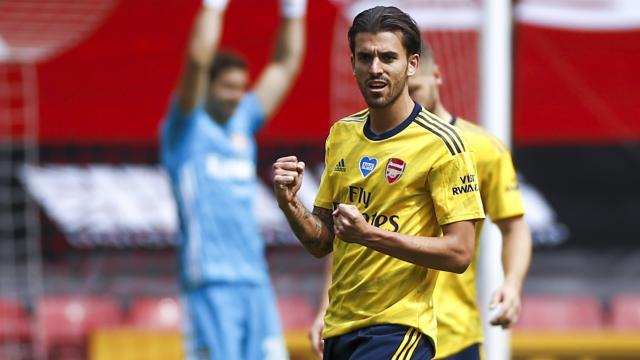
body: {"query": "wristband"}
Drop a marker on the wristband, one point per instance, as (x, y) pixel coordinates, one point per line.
(215, 4)
(293, 9)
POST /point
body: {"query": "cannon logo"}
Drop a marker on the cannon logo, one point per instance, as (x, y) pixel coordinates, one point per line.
(394, 170)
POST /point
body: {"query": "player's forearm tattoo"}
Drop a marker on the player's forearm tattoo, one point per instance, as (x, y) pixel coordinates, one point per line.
(314, 230)
(324, 222)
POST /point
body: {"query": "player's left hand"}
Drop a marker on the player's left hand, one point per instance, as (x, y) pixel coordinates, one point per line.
(507, 300)
(315, 334)
(349, 224)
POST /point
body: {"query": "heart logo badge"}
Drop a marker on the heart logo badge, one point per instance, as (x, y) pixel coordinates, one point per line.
(367, 165)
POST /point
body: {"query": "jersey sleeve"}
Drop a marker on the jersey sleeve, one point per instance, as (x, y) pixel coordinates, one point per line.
(454, 189)
(500, 189)
(325, 195)
(175, 122)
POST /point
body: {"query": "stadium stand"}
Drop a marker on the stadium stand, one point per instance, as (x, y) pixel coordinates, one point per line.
(555, 327)
(65, 322)
(625, 312)
(152, 330)
(560, 312)
(15, 330)
(15, 321)
(163, 313)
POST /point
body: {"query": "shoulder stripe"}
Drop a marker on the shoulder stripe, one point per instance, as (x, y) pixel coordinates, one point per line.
(357, 117)
(446, 128)
(437, 124)
(360, 113)
(436, 133)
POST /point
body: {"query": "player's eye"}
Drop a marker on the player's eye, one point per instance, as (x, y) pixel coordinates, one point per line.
(388, 57)
(364, 57)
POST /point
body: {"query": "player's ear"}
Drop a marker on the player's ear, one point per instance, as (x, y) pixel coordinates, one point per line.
(437, 74)
(413, 63)
(353, 65)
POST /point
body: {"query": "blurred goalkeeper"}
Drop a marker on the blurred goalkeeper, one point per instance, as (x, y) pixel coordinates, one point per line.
(208, 148)
(459, 324)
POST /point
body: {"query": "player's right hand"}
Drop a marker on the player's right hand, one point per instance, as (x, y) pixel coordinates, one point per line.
(349, 224)
(505, 306)
(315, 334)
(287, 178)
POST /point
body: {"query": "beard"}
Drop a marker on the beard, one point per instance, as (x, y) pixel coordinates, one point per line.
(221, 111)
(394, 90)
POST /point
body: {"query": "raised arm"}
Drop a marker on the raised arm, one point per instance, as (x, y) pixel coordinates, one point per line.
(278, 76)
(451, 252)
(201, 48)
(314, 230)
(516, 257)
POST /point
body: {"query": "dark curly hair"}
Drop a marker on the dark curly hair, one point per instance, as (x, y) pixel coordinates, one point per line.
(386, 18)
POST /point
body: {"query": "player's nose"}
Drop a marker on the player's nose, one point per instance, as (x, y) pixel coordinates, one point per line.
(376, 67)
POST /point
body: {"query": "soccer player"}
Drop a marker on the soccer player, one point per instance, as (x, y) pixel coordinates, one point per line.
(209, 151)
(459, 324)
(398, 201)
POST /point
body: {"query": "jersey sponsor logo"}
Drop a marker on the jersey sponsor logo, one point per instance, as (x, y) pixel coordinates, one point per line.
(468, 185)
(340, 167)
(229, 169)
(367, 165)
(379, 220)
(359, 195)
(458, 190)
(394, 170)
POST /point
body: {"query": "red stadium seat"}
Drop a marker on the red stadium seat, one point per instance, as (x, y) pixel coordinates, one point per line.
(625, 312)
(15, 325)
(560, 313)
(15, 330)
(296, 313)
(63, 323)
(164, 313)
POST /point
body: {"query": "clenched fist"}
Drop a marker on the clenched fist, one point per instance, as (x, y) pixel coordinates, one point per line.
(349, 224)
(287, 178)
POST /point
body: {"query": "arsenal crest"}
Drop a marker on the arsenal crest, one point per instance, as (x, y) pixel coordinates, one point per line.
(394, 170)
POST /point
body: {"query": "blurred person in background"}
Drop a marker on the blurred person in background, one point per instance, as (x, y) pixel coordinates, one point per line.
(397, 201)
(209, 151)
(459, 323)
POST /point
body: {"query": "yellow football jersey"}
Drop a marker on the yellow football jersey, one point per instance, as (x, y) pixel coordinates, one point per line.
(412, 180)
(459, 324)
